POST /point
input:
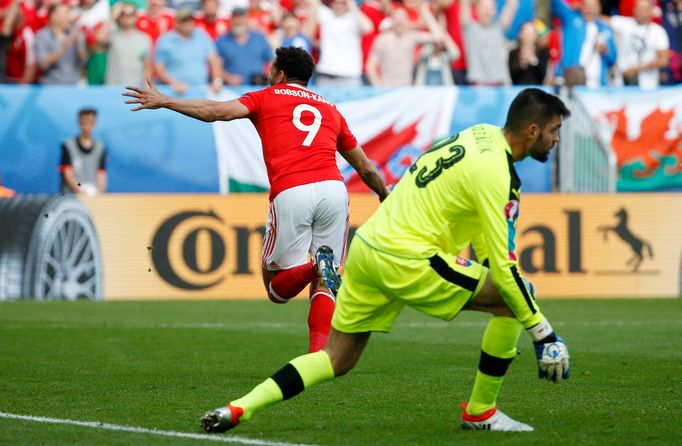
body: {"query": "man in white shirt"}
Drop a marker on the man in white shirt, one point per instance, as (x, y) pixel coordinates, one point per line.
(642, 46)
(342, 24)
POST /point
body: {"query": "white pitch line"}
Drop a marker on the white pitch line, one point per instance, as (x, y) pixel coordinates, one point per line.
(142, 430)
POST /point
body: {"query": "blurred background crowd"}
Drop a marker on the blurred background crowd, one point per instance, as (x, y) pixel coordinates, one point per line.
(365, 42)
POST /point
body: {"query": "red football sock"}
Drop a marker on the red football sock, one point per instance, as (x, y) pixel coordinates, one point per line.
(289, 282)
(322, 306)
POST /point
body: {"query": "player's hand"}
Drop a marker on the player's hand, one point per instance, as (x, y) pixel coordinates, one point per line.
(148, 97)
(553, 358)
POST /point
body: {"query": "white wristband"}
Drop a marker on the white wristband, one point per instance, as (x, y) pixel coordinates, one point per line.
(540, 331)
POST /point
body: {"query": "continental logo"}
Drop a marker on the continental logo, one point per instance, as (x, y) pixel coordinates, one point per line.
(597, 250)
(189, 250)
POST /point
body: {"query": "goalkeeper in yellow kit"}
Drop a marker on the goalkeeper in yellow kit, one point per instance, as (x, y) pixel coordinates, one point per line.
(463, 190)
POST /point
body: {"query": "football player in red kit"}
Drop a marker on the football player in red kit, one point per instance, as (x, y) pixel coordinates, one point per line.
(301, 132)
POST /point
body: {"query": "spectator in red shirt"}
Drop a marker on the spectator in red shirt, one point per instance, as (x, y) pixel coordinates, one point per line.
(451, 10)
(156, 20)
(8, 16)
(210, 20)
(264, 19)
(376, 11)
(20, 56)
(301, 9)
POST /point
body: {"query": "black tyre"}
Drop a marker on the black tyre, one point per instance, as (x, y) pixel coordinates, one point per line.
(48, 249)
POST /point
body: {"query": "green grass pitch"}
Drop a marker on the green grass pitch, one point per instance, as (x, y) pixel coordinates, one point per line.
(160, 365)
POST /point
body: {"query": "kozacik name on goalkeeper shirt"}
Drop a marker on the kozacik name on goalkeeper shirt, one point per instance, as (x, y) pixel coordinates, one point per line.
(463, 190)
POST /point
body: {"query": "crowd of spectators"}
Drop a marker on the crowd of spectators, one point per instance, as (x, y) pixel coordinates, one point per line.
(354, 42)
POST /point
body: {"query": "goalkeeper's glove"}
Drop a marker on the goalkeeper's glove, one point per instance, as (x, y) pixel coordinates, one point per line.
(551, 353)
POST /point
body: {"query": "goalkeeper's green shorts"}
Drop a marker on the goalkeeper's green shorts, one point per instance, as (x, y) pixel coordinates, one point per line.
(377, 286)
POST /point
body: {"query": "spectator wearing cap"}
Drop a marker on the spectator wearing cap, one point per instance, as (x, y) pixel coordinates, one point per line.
(186, 56)
(245, 52)
(60, 48)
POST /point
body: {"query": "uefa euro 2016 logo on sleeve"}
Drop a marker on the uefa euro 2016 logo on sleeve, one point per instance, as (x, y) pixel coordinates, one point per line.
(511, 210)
(511, 213)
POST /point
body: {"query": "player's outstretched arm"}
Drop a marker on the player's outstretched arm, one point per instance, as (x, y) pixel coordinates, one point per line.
(366, 170)
(149, 98)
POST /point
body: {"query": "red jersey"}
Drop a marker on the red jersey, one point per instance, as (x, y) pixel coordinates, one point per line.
(155, 26)
(21, 53)
(215, 28)
(455, 30)
(300, 132)
(262, 21)
(39, 20)
(373, 10)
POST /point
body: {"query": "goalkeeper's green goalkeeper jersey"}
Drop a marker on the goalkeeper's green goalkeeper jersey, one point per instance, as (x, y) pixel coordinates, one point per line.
(463, 190)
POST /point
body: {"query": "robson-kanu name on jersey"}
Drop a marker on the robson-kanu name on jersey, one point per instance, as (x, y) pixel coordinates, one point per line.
(302, 93)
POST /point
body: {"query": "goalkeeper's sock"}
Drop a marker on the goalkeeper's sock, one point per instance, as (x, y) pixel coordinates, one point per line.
(289, 282)
(498, 350)
(320, 318)
(299, 374)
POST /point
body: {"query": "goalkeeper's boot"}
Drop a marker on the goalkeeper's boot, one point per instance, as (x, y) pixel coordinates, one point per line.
(221, 419)
(324, 260)
(492, 420)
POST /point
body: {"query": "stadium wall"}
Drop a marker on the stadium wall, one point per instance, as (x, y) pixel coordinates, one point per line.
(208, 246)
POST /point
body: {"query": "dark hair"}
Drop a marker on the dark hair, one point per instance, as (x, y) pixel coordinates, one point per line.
(533, 105)
(87, 111)
(296, 63)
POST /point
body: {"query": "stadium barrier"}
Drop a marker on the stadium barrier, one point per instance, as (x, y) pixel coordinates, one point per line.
(164, 152)
(586, 163)
(208, 246)
(634, 133)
